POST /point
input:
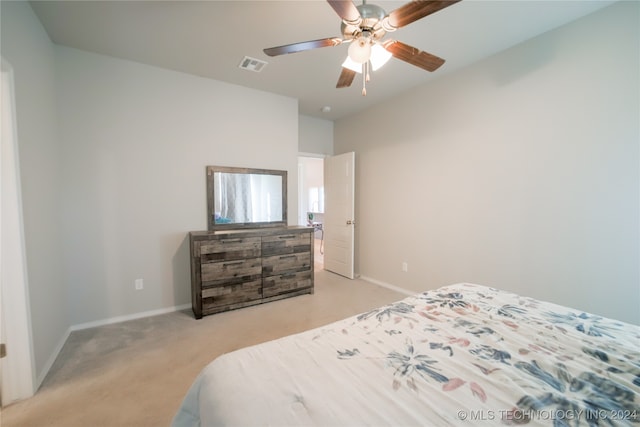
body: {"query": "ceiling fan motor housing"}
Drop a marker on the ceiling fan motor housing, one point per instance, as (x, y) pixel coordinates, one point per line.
(372, 23)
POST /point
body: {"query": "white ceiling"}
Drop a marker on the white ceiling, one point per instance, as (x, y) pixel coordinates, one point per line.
(210, 39)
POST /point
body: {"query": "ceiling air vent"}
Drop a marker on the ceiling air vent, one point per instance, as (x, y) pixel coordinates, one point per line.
(252, 64)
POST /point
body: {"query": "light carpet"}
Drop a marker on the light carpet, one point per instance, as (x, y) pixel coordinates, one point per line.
(136, 373)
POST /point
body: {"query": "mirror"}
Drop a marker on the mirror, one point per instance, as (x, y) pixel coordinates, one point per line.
(246, 198)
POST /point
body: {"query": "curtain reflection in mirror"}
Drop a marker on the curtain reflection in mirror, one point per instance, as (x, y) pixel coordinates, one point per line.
(235, 198)
(245, 198)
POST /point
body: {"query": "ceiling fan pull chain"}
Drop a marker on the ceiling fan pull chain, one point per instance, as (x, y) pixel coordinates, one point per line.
(364, 79)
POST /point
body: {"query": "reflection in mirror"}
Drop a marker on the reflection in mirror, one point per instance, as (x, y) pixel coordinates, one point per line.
(242, 198)
(238, 197)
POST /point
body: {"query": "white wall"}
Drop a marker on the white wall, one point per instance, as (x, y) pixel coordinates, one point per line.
(519, 172)
(135, 143)
(315, 135)
(315, 140)
(113, 156)
(26, 46)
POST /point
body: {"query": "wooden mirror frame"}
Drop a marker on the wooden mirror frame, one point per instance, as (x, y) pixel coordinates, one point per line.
(212, 226)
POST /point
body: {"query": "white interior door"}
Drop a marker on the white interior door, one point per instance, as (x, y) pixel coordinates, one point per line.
(339, 214)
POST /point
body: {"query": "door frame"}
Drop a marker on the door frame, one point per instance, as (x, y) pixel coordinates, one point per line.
(17, 369)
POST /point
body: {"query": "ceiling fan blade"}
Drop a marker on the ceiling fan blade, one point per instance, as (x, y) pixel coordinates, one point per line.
(411, 12)
(346, 78)
(302, 46)
(412, 55)
(347, 11)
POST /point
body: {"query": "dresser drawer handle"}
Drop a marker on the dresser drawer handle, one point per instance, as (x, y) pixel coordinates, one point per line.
(233, 262)
(231, 240)
(290, 236)
(287, 256)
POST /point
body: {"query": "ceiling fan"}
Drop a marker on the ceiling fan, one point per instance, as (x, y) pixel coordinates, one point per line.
(364, 26)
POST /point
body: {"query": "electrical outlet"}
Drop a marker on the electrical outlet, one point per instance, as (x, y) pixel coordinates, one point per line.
(405, 266)
(139, 283)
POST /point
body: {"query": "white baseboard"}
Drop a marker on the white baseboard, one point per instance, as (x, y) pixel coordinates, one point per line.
(128, 317)
(54, 355)
(110, 321)
(388, 286)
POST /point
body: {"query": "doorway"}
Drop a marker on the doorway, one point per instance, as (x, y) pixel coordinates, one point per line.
(311, 202)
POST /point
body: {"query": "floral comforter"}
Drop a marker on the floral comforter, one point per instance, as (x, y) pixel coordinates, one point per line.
(460, 355)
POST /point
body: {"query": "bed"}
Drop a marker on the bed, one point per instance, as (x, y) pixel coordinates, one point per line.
(460, 355)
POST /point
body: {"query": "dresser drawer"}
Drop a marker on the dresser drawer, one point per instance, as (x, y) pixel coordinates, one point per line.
(275, 285)
(281, 264)
(219, 296)
(232, 269)
(230, 249)
(225, 270)
(286, 244)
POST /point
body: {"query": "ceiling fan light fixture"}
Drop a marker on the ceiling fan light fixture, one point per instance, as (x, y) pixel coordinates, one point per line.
(360, 50)
(379, 56)
(352, 65)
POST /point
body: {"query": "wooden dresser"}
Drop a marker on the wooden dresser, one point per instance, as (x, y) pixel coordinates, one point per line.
(237, 268)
